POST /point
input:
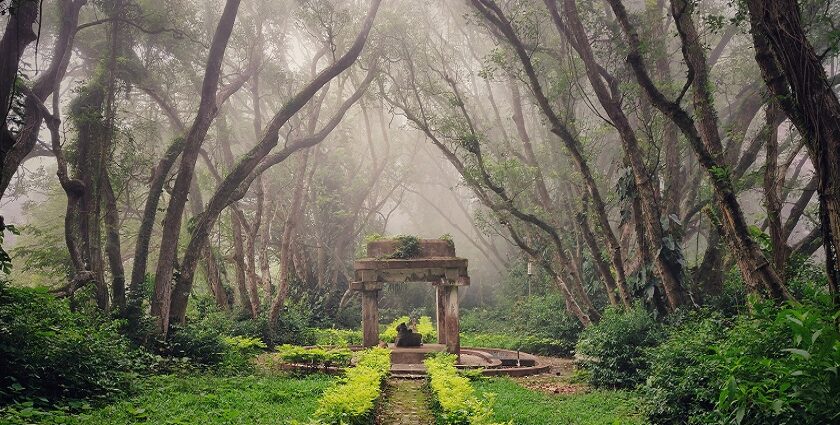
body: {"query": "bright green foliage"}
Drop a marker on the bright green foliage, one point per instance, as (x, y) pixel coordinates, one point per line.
(314, 356)
(352, 401)
(525, 407)
(337, 337)
(50, 352)
(424, 328)
(454, 396)
(613, 350)
(775, 365)
(781, 366)
(202, 399)
(239, 350)
(245, 344)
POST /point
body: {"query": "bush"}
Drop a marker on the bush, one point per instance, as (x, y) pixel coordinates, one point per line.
(536, 324)
(48, 351)
(776, 365)
(202, 345)
(613, 350)
(239, 350)
(313, 357)
(683, 379)
(781, 366)
(453, 395)
(352, 401)
(337, 337)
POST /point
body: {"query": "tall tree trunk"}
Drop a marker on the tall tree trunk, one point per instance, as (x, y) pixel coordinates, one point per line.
(239, 264)
(112, 245)
(285, 254)
(773, 203)
(758, 273)
(86, 111)
(213, 272)
(207, 110)
(109, 199)
(17, 36)
(265, 242)
(795, 75)
(667, 265)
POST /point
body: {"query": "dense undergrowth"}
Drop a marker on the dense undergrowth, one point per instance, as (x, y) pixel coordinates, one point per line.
(768, 364)
(537, 324)
(737, 360)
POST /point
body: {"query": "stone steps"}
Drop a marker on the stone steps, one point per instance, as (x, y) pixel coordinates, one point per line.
(406, 403)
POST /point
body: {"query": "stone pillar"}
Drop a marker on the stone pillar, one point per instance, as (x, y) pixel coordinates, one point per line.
(440, 313)
(453, 338)
(370, 317)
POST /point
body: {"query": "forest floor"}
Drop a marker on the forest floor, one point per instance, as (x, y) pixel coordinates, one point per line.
(406, 403)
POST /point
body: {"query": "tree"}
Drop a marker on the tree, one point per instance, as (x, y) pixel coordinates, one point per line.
(794, 74)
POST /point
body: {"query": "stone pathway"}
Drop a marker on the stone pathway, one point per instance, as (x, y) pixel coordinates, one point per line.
(406, 403)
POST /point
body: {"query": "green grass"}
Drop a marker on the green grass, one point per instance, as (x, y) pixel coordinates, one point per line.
(526, 407)
(209, 400)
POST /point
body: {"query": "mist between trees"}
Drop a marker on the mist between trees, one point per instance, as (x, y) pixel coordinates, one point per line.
(631, 152)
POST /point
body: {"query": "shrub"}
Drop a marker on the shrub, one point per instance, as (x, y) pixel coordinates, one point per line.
(48, 351)
(454, 397)
(337, 337)
(314, 357)
(781, 366)
(201, 344)
(683, 380)
(613, 350)
(531, 324)
(352, 401)
(424, 328)
(239, 350)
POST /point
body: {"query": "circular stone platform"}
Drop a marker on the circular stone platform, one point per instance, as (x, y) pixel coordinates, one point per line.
(408, 361)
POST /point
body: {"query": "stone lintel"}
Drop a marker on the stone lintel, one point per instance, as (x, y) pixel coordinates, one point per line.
(420, 263)
(366, 286)
(451, 277)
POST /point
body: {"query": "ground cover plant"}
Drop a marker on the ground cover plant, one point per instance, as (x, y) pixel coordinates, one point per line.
(312, 357)
(353, 399)
(453, 396)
